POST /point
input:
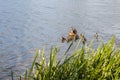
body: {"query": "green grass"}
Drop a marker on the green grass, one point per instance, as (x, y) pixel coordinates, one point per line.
(85, 63)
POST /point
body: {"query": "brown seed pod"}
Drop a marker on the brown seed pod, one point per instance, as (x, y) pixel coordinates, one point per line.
(76, 37)
(69, 38)
(63, 39)
(74, 30)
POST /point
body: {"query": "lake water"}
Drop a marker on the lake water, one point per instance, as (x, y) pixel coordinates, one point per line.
(26, 25)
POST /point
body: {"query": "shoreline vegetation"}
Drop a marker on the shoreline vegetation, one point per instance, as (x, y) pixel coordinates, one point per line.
(85, 63)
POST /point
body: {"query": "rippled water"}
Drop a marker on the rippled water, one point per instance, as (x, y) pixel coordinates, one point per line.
(26, 25)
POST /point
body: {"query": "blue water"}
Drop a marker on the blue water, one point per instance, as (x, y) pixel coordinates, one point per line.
(26, 25)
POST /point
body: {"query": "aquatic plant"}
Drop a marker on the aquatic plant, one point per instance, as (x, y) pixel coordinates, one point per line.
(85, 63)
(72, 36)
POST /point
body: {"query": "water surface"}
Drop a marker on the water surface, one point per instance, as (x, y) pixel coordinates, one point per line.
(26, 25)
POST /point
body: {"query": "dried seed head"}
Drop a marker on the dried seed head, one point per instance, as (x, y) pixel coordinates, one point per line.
(74, 30)
(76, 37)
(63, 39)
(96, 35)
(69, 38)
(82, 37)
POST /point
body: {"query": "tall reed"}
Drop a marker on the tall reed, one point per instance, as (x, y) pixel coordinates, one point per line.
(86, 63)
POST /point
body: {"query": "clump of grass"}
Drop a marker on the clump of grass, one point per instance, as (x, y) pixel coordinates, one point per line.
(85, 63)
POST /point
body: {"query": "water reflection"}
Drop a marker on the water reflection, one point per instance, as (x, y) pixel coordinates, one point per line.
(28, 25)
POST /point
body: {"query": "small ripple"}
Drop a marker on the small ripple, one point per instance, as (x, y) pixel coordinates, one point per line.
(48, 7)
